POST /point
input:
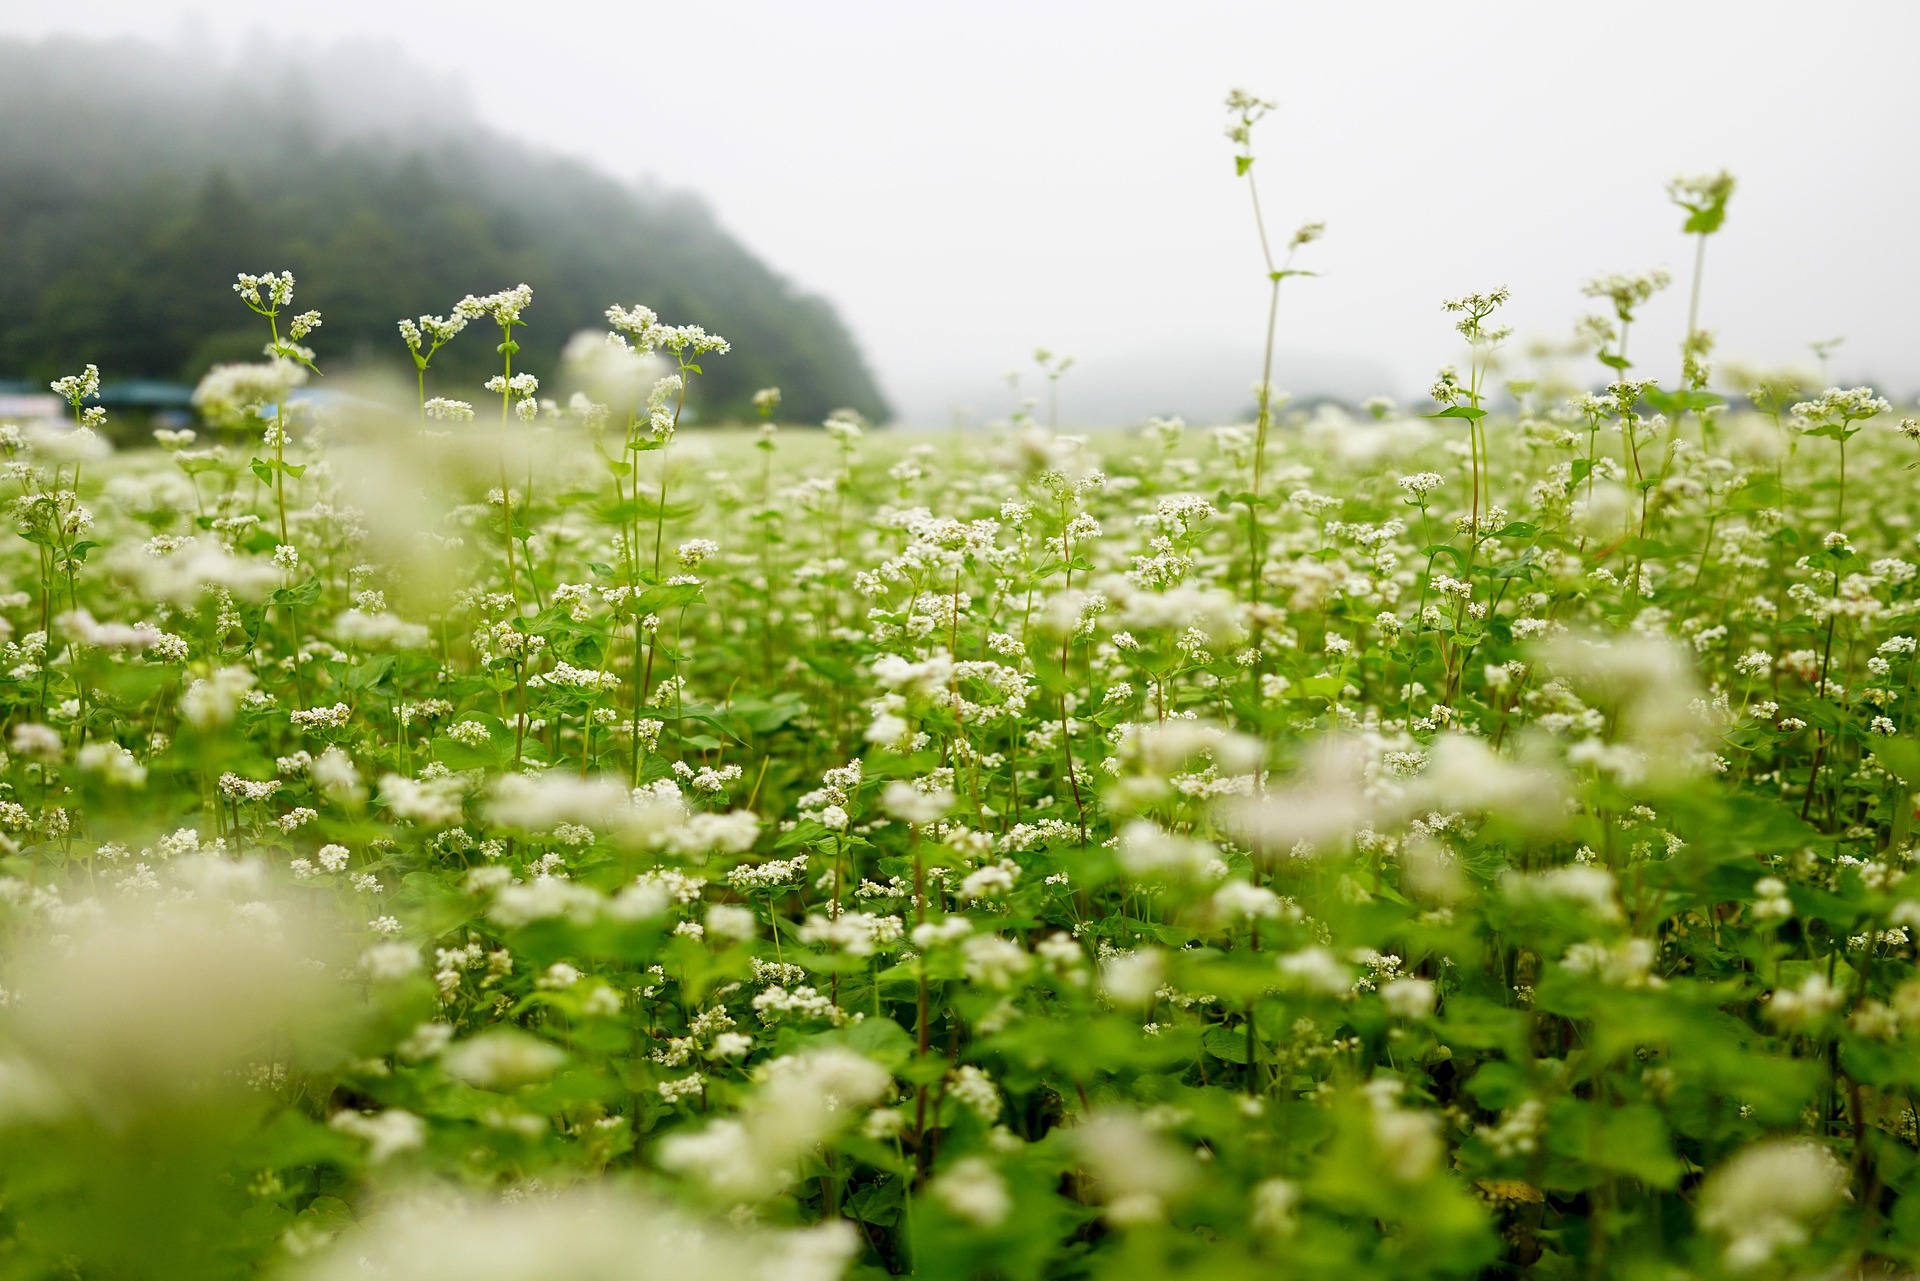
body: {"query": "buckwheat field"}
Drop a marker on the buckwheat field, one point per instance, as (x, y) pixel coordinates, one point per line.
(504, 832)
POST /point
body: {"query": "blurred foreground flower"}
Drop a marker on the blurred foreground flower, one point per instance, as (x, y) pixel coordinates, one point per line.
(601, 1236)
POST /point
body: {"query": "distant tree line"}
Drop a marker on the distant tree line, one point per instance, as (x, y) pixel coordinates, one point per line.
(133, 185)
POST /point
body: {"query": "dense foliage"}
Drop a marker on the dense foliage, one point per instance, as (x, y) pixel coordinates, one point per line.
(132, 181)
(1460, 844)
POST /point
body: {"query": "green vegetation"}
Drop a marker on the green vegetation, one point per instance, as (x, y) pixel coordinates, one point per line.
(502, 841)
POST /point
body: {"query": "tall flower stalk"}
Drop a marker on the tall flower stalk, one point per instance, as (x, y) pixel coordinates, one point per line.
(637, 330)
(516, 391)
(1244, 111)
(1467, 402)
(424, 338)
(1704, 197)
(266, 295)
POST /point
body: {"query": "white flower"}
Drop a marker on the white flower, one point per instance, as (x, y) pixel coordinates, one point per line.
(855, 933)
(542, 803)
(433, 803)
(469, 733)
(235, 395)
(1315, 969)
(972, 1190)
(947, 929)
(547, 898)
(559, 975)
(80, 624)
(1591, 889)
(729, 921)
(1763, 1200)
(78, 387)
(1146, 850)
(802, 1099)
(213, 702)
(974, 1090)
(1627, 963)
(1133, 978)
(1805, 1005)
(504, 307)
(387, 1133)
(1274, 1201)
(580, 1235)
(333, 773)
(1464, 773)
(928, 677)
(114, 763)
(1137, 1172)
(731, 1045)
(695, 550)
(909, 804)
(501, 1058)
(198, 567)
(995, 880)
(36, 741)
(363, 630)
(1408, 1142)
(390, 962)
(321, 718)
(994, 961)
(425, 1041)
(1238, 900)
(1409, 998)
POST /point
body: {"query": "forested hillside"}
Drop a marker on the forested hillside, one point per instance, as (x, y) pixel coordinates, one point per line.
(135, 181)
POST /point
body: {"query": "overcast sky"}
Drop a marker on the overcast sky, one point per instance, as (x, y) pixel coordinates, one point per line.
(968, 181)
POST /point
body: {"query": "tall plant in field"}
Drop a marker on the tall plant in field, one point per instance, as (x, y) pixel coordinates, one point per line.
(1244, 111)
(1704, 197)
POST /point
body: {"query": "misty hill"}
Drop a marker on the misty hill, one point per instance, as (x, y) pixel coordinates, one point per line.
(135, 181)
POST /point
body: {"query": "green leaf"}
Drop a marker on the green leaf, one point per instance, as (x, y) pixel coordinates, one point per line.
(1675, 403)
(1630, 1140)
(879, 1203)
(305, 592)
(1705, 220)
(1900, 757)
(328, 1214)
(1832, 431)
(1498, 1085)
(364, 676)
(1521, 568)
(1759, 493)
(1478, 1022)
(1327, 687)
(1228, 1044)
(1653, 549)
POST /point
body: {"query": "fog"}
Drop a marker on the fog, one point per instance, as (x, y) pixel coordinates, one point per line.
(968, 182)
